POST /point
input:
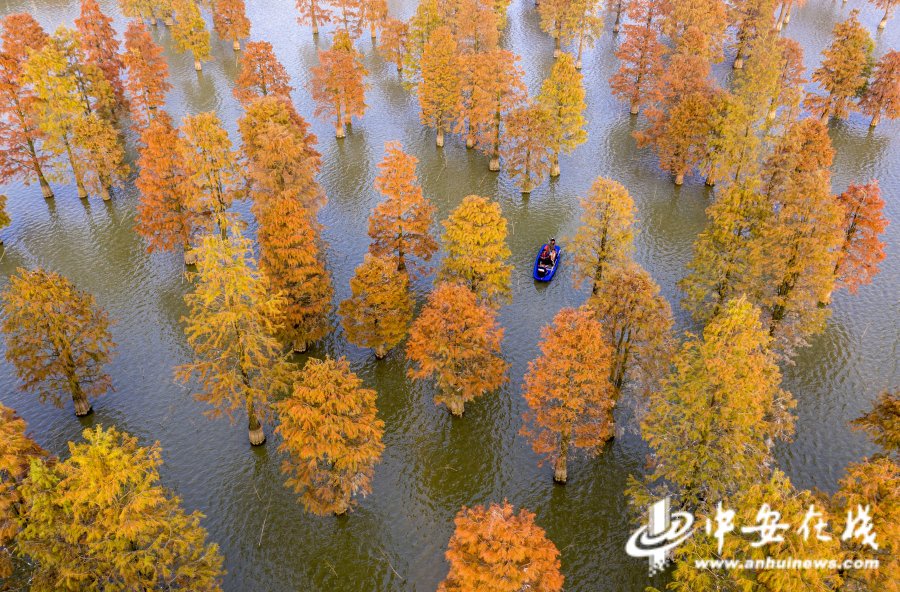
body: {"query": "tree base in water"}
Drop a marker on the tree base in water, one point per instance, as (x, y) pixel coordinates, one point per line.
(46, 191)
(236, 45)
(257, 436)
(299, 347)
(190, 257)
(82, 407)
(495, 164)
(679, 179)
(380, 352)
(456, 406)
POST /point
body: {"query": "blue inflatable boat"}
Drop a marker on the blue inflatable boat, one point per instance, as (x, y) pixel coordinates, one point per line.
(542, 274)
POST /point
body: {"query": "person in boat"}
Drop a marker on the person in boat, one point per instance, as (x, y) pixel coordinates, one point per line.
(546, 258)
(553, 251)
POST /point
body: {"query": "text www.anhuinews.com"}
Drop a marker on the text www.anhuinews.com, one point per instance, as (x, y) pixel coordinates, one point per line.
(771, 563)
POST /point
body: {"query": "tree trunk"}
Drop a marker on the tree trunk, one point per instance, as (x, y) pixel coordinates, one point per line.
(494, 165)
(787, 17)
(554, 165)
(780, 23)
(495, 155)
(470, 139)
(772, 112)
(236, 45)
(190, 256)
(198, 66)
(255, 428)
(559, 472)
(580, 47)
(380, 351)
(440, 136)
(45, 187)
(152, 18)
(299, 346)
(883, 22)
(455, 402)
(618, 18)
(739, 59)
(635, 107)
(875, 119)
(679, 178)
(339, 125)
(104, 193)
(315, 25)
(82, 406)
(372, 30)
(168, 20)
(342, 504)
(556, 50)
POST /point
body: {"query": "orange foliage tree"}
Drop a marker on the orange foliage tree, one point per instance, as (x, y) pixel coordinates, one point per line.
(17, 450)
(379, 312)
(394, 37)
(373, 14)
(526, 152)
(567, 388)
(475, 25)
(189, 31)
(57, 339)
(148, 73)
(401, 225)
(882, 96)
(313, 13)
(20, 136)
(337, 84)
(456, 341)
(605, 236)
(230, 21)
(497, 550)
(261, 74)
(637, 322)
(477, 226)
(844, 71)
(556, 20)
(165, 219)
(498, 89)
(563, 96)
(696, 28)
(863, 222)
(211, 169)
(102, 155)
(101, 48)
(332, 436)
(439, 88)
(641, 55)
(282, 164)
(682, 119)
(789, 88)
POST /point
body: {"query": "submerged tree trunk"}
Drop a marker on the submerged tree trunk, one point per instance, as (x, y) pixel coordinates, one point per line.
(883, 22)
(739, 58)
(257, 435)
(780, 23)
(299, 346)
(454, 401)
(190, 256)
(82, 405)
(557, 50)
(168, 20)
(559, 469)
(380, 351)
(495, 154)
(82, 192)
(618, 17)
(875, 119)
(339, 125)
(236, 45)
(104, 193)
(153, 18)
(342, 504)
(679, 178)
(554, 165)
(580, 47)
(440, 136)
(45, 187)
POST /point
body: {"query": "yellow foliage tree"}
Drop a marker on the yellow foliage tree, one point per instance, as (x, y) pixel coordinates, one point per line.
(379, 312)
(475, 250)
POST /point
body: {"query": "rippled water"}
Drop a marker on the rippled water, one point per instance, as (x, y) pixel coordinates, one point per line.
(433, 464)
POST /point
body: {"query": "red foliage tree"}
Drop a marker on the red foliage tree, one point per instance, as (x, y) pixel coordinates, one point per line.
(456, 341)
(148, 73)
(883, 93)
(498, 89)
(98, 39)
(568, 391)
(640, 54)
(863, 223)
(230, 21)
(164, 219)
(261, 74)
(495, 550)
(20, 136)
(313, 13)
(337, 84)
